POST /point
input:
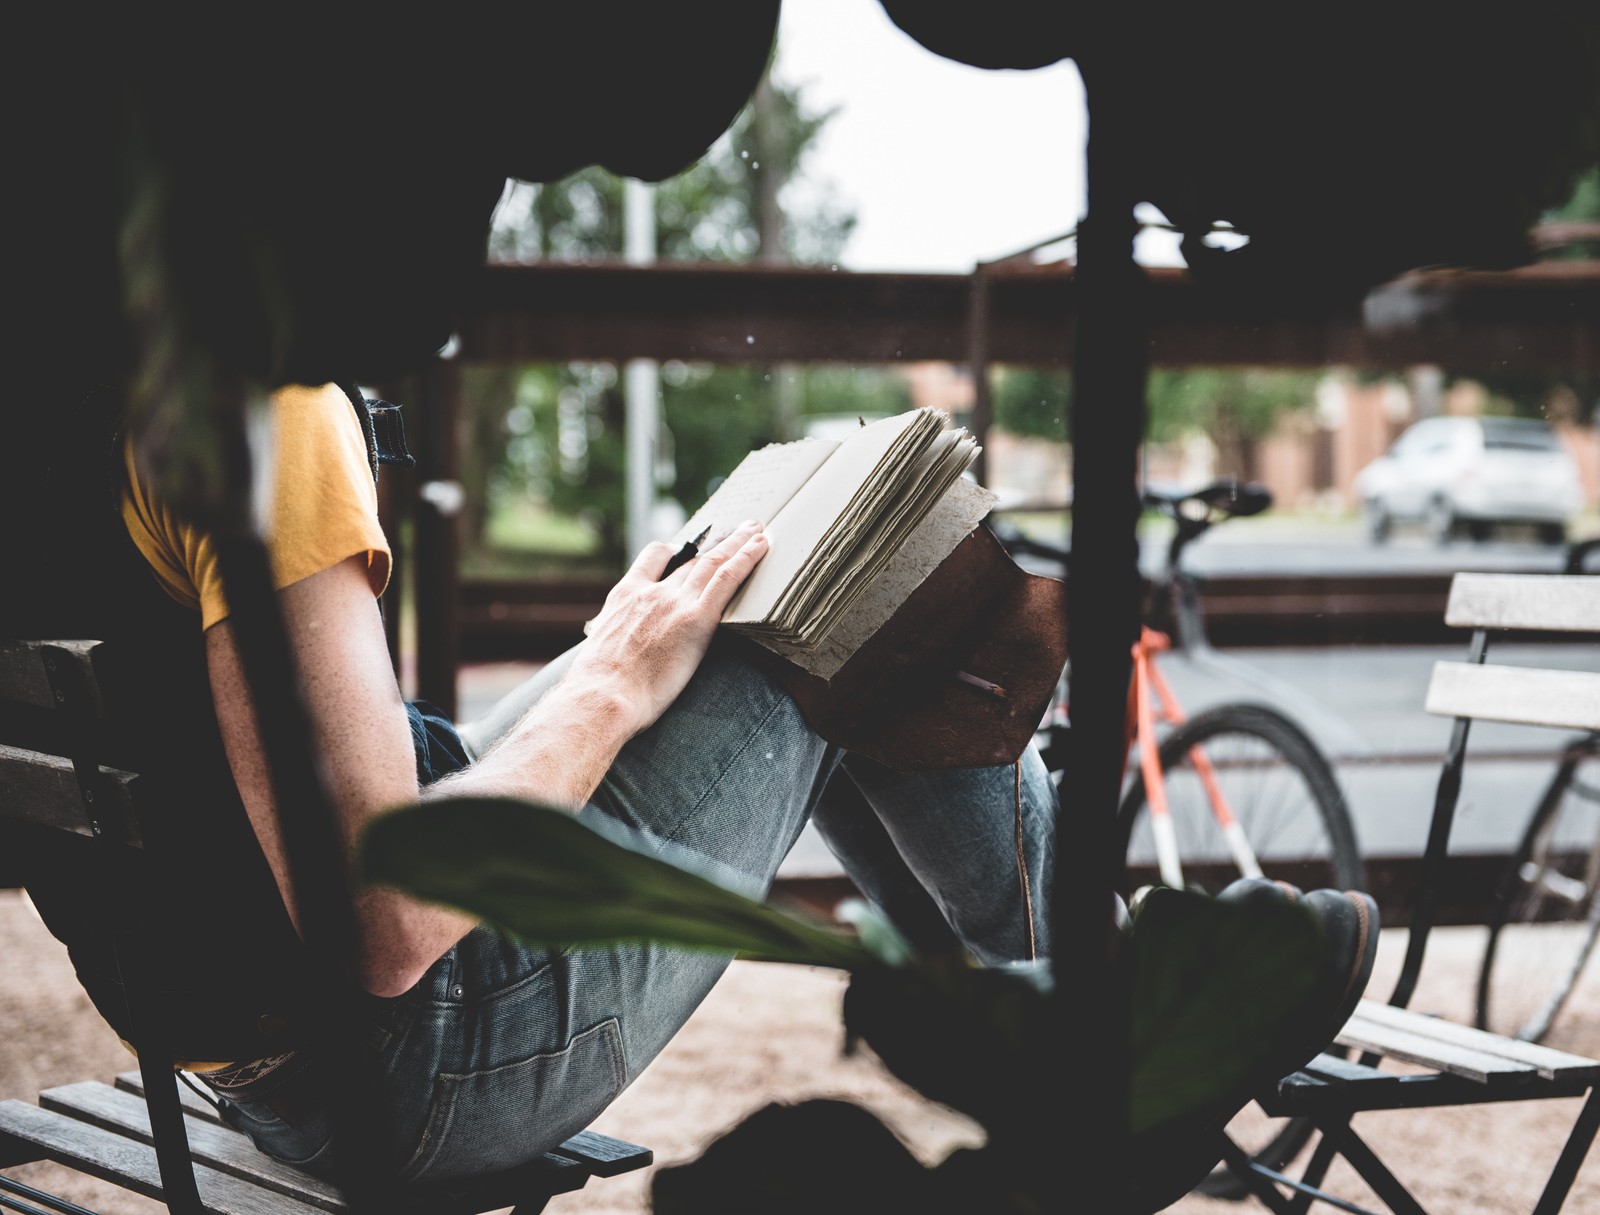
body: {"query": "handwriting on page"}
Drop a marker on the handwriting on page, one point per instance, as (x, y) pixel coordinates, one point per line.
(758, 488)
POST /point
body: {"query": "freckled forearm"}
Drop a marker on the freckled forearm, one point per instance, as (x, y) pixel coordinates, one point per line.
(557, 754)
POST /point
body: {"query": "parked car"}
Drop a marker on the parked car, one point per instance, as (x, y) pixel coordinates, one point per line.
(1456, 474)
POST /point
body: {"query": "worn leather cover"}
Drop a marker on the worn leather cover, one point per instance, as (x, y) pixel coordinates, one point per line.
(900, 699)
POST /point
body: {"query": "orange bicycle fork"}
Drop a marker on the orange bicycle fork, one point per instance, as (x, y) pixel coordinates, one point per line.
(1151, 700)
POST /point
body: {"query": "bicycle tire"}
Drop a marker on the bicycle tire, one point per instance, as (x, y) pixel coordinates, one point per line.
(1545, 917)
(1309, 850)
(1284, 792)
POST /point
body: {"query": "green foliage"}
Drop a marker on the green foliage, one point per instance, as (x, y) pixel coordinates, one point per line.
(1213, 985)
(709, 212)
(542, 875)
(1583, 205)
(1235, 408)
(556, 433)
(1585, 200)
(1032, 402)
(1572, 397)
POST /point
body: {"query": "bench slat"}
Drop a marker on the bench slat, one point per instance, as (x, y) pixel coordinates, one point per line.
(588, 1153)
(24, 679)
(1549, 1063)
(132, 1165)
(605, 1156)
(43, 789)
(1397, 1042)
(1529, 696)
(1567, 603)
(194, 1105)
(210, 1144)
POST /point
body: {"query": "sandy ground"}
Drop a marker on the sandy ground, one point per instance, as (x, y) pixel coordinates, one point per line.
(773, 1033)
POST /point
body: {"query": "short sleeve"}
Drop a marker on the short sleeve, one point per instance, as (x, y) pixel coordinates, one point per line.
(324, 507)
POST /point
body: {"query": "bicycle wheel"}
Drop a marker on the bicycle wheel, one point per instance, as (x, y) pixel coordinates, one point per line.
(1546, 916)
(1276, 784)
(1282, 792)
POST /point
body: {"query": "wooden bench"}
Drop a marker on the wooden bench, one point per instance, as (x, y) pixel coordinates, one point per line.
(104, 1130)
(148, 1133)
(1447, 1064)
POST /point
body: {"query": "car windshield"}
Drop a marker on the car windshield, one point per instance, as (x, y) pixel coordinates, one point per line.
(1519, 434)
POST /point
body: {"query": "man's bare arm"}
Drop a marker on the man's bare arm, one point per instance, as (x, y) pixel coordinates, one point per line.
(643, 647)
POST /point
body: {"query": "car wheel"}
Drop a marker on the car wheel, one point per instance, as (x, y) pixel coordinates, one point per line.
(1440, 521)
(1377, 521)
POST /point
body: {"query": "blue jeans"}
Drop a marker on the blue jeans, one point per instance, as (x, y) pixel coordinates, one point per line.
(502, 1051)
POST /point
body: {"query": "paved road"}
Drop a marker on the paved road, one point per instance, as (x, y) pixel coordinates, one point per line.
(1309, 546)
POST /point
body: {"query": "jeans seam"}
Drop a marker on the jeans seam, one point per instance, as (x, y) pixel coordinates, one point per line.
(710, 789)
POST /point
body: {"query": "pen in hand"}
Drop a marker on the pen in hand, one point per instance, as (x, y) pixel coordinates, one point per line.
(689, 551)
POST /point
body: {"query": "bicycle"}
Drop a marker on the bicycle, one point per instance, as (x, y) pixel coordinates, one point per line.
(1545, 917)
(1239, 789)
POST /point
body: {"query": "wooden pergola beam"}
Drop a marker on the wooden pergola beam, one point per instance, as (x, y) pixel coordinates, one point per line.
(1539, 318)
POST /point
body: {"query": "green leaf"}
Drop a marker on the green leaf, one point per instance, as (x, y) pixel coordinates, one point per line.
(550, 879)
(969, 1037)
(1218, 989)
(876, 932)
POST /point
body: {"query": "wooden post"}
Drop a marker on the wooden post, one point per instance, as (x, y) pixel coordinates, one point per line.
(1108, 420)
(437, 548)
(978, 367)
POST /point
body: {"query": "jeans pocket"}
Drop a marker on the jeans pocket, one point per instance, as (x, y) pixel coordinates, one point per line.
(483, 1121)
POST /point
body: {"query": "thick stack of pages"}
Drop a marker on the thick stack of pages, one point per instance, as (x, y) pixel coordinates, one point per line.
(854, 526)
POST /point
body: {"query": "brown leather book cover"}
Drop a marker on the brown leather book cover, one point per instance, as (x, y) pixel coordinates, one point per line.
(960, 676)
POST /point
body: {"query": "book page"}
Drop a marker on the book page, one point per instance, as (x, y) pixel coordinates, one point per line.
(795, 531)
(758, 488)
(858, 559)
(934, 539)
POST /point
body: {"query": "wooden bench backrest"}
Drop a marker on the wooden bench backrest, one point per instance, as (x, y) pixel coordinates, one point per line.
(63, 787)
(1534, 696)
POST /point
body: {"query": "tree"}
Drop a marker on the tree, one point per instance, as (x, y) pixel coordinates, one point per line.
(1033, 402)
(1237, 409)
(522, 435)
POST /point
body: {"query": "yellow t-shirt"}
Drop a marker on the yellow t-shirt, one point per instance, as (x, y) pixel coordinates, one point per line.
(324, 507)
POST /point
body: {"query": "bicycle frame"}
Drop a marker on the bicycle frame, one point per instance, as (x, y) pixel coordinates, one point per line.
(1152, 700)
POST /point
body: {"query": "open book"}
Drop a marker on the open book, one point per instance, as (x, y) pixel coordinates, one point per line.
(854, 526)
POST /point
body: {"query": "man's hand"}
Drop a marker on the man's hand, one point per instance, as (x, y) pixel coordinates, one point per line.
(652, 632)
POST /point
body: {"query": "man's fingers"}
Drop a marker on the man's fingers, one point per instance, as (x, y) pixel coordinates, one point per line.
(651, 561)
(707, 564)
(731, 571)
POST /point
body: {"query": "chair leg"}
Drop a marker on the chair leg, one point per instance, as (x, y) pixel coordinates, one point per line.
(178, 1187)
(1254, 1179)
(1372, 1170)
(1577, 1147)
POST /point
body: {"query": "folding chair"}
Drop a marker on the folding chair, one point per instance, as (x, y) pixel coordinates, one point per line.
(1450, 1064)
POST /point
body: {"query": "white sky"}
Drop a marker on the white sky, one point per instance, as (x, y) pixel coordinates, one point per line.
(944, 164)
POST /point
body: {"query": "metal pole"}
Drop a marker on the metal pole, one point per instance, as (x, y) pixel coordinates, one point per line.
(642, 386)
